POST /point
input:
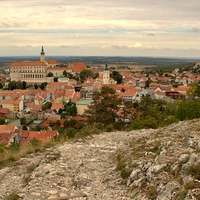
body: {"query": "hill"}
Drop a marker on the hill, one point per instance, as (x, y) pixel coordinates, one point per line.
(144, 164)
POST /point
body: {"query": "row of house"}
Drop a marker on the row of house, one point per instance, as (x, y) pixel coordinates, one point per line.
(11, 134)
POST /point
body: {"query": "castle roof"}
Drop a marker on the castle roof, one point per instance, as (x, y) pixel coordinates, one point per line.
(28, 63)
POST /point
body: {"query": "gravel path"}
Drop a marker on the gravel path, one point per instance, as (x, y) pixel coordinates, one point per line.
(85, 169)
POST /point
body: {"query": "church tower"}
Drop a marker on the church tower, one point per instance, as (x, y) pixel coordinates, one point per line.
(106, 75)
(42, 55)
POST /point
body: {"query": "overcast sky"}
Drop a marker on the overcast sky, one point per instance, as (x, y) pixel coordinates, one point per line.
(100, 28)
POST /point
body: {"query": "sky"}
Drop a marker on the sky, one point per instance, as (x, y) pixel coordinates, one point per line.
(158, 28)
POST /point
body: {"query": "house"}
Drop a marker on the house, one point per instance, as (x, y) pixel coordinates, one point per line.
(39, 100)
(82, 105)
(32, 107)
(56, 106)
(57, 71)
(128, 95)
(44, 136)
(174, 95)
(13, 105)
(59, 95)
(4, 112)
(8, 134)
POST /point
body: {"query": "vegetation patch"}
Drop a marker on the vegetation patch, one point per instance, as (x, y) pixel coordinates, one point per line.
(12, 196)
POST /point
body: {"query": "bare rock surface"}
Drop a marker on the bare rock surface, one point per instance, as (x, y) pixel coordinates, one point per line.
(85, 169)
(156, 164)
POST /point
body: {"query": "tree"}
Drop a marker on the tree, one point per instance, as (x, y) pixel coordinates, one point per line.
(123, 90)
(35, 86)
(12, 85)
(50, 74)
(194, 90)
(64, 73)
(47, 105)
(19, 85)
(55, 79)
(43, 85)
(2, 120)
(24, 85)
(117, 77)
(23, 121)
(1, 85)
(86, 74)
(70, 108)
(104, 107)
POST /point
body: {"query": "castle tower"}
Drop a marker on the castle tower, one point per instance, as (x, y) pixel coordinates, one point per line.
(106, 75)
(42, 55)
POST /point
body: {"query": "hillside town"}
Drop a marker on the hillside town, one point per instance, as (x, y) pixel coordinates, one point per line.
(46, 87)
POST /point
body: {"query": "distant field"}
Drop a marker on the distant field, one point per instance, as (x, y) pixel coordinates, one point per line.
(124, 66)
(4, 67)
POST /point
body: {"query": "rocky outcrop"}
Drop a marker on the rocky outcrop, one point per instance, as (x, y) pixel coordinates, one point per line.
(155, 164)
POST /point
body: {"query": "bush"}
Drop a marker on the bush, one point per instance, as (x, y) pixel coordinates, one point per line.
(147, 122)
(109, 128)
(89, 130)
(12, 196)
(71, 132)
(34, 142)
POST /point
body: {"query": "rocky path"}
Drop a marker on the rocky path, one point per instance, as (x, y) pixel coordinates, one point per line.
(85, 169)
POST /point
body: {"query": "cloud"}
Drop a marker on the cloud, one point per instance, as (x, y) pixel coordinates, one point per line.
(137, 45)
(195, 30)
(151, 34)
(124, 24)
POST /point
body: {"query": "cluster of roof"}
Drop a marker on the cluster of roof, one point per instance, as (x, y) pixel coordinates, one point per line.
(10, 134)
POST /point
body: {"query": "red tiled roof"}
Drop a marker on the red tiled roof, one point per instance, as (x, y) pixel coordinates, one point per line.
(25, 134)
(4, 110)
(52, 62)
(77, 69)
(7, 128)
(11, 101)
(32, 135)
(15, 64)
(77, 96)
(46, 123)
(56, 106)
(57, 68)
(80, 64)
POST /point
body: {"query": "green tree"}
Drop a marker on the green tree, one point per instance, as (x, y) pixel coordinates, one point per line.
(86, 74)
(36, 86)
(104, 107)
(2, 120)
(12, 85)
(55, 79)
(194, 91)
(147, 83)
(64, 73)
(50, 74)
(117, 77)
(47, 105)
(43, 85)
(24, 85)
(19, 85)
(1, 85)
(70, 108)
(23, 121)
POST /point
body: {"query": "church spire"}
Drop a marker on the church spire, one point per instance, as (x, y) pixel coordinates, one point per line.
(106, 67)
(42, 55)
(42, 51)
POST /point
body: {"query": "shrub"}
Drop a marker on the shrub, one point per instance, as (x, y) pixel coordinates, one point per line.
(109, 128)
(89, 130)
(70, 132)
(193, 170)
(12, 196)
